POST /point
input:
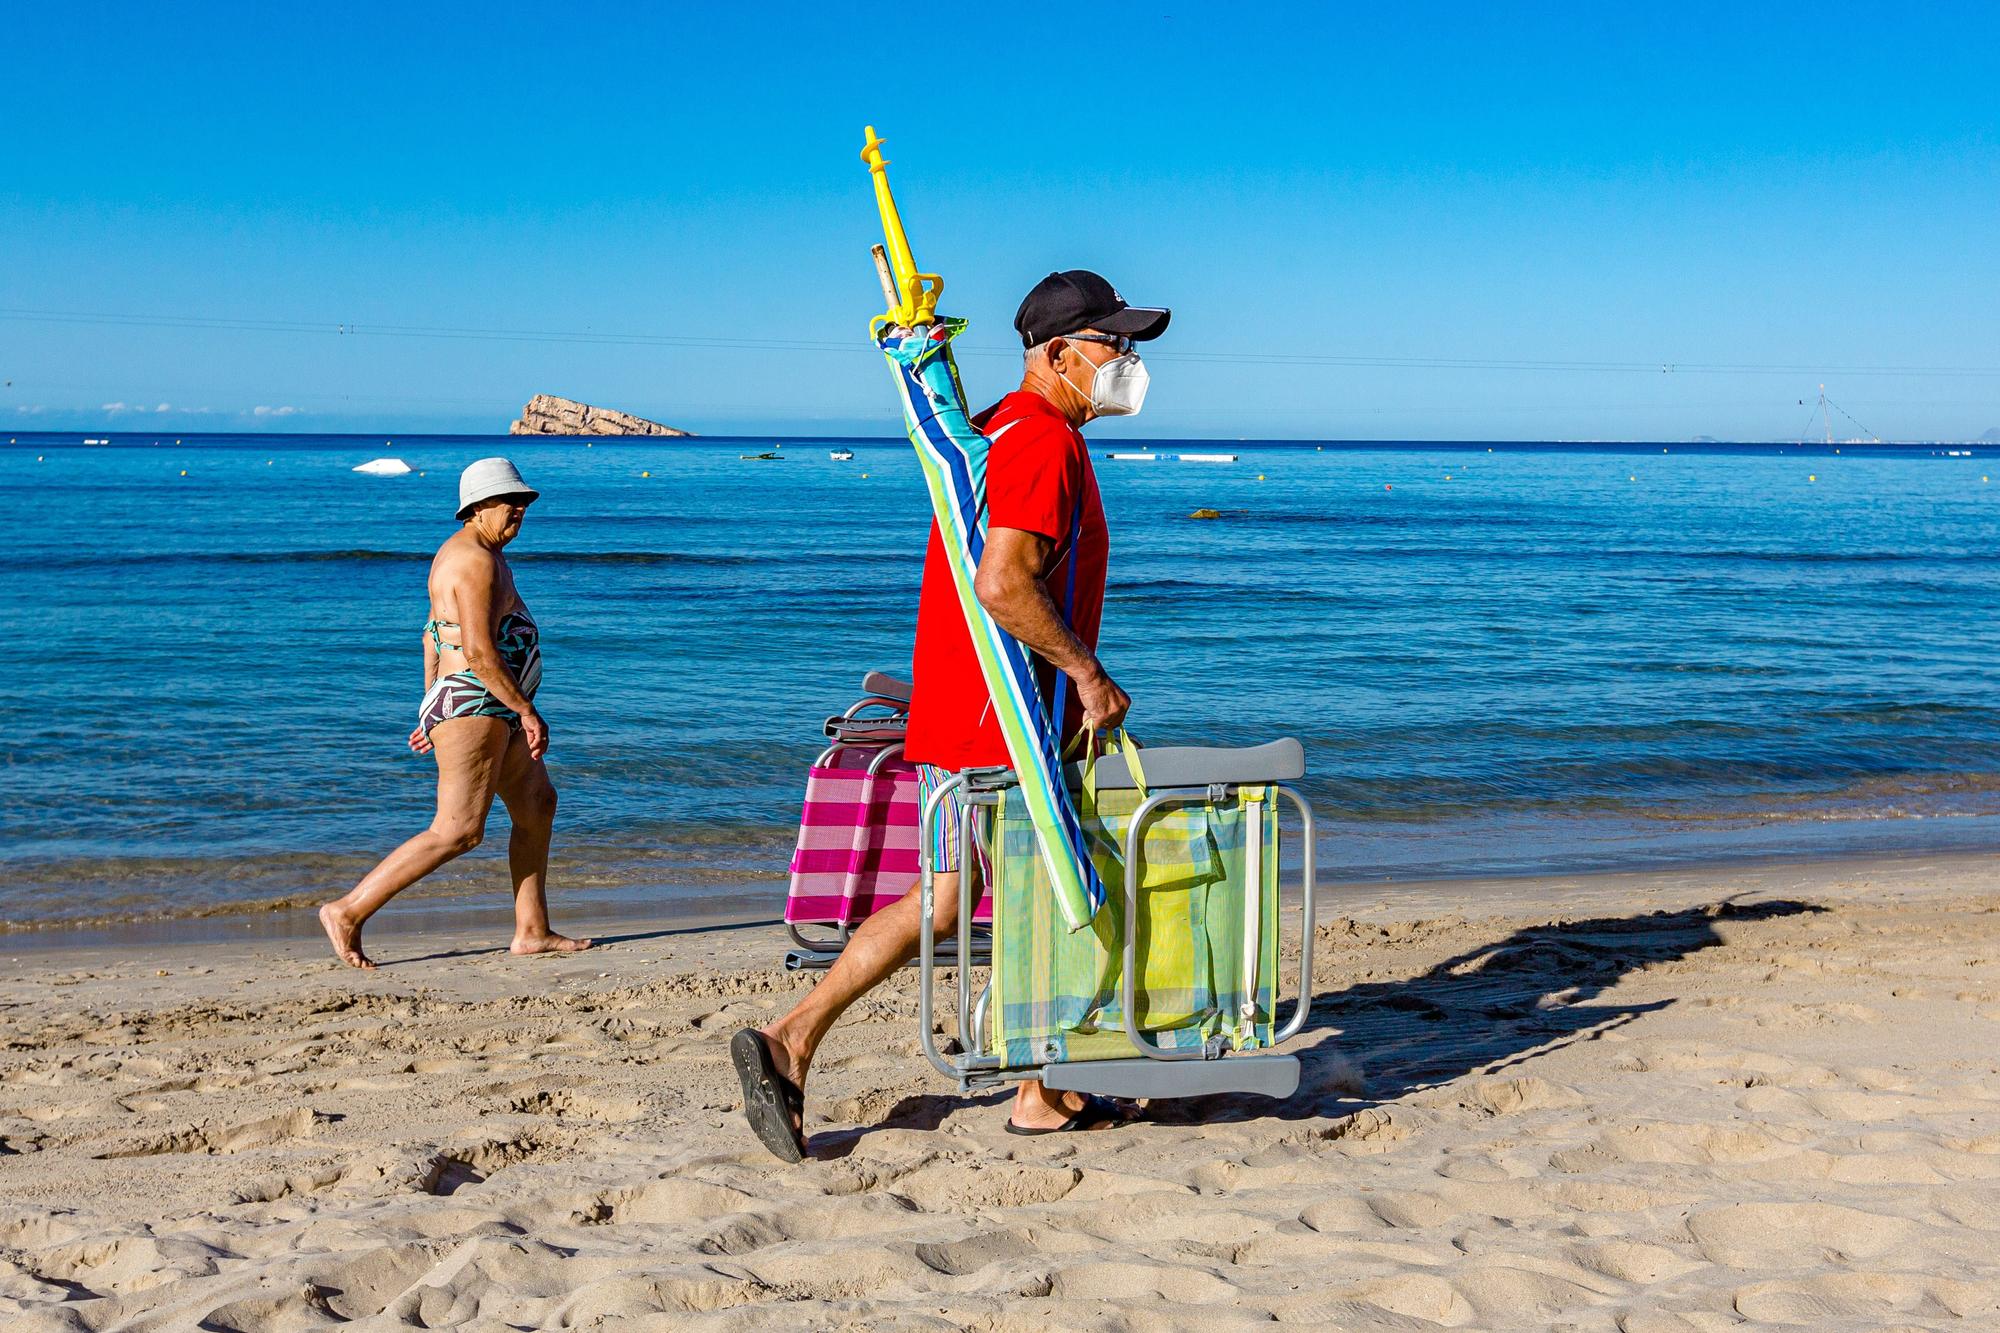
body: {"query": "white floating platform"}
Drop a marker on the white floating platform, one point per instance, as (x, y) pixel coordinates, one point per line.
(1206, 458)
(386, 467)
(1135, 458)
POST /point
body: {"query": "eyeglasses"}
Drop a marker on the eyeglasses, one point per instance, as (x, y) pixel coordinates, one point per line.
(1118, 340)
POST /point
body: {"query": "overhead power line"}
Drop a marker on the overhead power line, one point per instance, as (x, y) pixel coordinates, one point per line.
(341, 328)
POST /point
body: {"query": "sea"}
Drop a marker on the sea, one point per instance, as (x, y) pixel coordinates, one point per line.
(1502, 659)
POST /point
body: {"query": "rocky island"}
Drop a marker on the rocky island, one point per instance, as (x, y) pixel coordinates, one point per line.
(547, 414)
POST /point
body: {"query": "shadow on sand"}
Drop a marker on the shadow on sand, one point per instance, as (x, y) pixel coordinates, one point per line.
(597, 942)
(1480, 1012)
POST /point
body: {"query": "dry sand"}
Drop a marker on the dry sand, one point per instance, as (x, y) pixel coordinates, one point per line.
(1643, 1102)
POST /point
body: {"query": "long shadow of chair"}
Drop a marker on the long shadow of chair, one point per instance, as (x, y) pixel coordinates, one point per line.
(1483, 1011)
(1486, 1010)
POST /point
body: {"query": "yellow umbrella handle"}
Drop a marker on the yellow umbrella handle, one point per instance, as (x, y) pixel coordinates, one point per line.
(916, 294)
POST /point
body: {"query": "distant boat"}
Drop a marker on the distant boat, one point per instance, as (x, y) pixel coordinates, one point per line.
(1206, 458)
(841, 455)
(763, 455)
(88, 440)
(1958, 453)
(1135, 458)
(385, 467)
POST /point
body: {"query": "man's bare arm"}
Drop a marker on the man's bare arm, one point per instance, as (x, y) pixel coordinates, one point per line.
(1009, 586)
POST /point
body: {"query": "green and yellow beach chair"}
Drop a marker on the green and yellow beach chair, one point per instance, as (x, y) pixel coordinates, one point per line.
(1178, 968)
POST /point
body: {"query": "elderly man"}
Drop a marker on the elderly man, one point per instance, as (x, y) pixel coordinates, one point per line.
(1041, 578)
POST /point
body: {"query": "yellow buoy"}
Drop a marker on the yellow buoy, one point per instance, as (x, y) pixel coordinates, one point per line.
(38, 458)
(269, 461)
(1260, 476)
(645, 474)
(1631, 479)
(864, 476)
(1206, 513)
(184, 472)
(1447, 476)
(1812, 476)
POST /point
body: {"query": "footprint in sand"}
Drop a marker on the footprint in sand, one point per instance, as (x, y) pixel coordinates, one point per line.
(225, 1139)
(567, 1104)
(1793, 1235)
(1867, 1299)
(962, 1257)
(962, 1186)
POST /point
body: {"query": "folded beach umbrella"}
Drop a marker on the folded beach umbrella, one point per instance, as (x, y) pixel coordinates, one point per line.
(952, 453)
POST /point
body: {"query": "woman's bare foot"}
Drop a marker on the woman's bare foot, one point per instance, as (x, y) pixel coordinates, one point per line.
(547, 943)
(344, 935)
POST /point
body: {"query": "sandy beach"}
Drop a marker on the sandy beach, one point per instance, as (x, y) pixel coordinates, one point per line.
(1646, 1102)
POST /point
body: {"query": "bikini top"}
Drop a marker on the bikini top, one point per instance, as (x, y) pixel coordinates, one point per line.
(515, 636)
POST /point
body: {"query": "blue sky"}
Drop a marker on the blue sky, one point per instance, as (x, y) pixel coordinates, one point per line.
(1526, 188)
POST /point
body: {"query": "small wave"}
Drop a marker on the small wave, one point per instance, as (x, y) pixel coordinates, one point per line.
(1892, 796)
(86, 892)
(1569, 555)
(365, 556)
(1909, 713)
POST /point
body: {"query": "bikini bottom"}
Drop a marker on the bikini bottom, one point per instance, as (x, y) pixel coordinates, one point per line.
(462, 695)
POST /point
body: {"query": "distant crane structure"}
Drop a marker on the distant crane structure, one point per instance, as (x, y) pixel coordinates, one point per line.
(1822, 415)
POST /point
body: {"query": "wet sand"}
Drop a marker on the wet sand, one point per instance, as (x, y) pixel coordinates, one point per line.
(1660, 1101)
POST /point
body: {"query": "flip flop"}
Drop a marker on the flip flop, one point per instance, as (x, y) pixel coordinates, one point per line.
(770, 1100)
(1096, 1111)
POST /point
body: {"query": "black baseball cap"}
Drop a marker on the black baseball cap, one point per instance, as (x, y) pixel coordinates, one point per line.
(1078, 299)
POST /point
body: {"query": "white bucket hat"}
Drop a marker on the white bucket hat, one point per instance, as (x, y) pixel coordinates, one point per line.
(488, 478)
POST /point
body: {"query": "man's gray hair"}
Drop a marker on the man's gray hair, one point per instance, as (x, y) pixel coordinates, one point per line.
(1038, 353)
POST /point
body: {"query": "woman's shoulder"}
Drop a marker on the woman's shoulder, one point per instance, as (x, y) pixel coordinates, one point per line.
(461, 555)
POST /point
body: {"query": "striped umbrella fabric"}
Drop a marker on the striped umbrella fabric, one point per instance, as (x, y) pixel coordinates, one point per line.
(952, 454)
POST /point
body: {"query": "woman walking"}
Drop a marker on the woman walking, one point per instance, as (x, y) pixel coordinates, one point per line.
(482, 666)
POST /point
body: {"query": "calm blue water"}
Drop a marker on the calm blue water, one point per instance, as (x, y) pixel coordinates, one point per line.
(1532, 657)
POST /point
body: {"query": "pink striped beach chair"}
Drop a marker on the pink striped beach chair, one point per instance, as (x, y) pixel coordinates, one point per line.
(857, 846)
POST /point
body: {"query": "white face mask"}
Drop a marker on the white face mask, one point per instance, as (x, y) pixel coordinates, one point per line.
(1119, 387)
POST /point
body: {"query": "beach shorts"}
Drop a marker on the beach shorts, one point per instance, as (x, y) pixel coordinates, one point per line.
(950, 819)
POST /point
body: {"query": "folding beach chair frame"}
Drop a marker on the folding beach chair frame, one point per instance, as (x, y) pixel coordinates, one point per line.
(1175, 776)
(879, 690)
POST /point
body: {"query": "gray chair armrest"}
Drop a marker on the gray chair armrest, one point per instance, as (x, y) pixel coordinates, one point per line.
(885, 686)
(1199, 765)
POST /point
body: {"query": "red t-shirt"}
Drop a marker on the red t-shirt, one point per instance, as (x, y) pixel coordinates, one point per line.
(1037, 474)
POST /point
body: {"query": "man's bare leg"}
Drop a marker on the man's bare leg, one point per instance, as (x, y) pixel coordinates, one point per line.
(469, 752)
(880, 945)
(530, 799)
